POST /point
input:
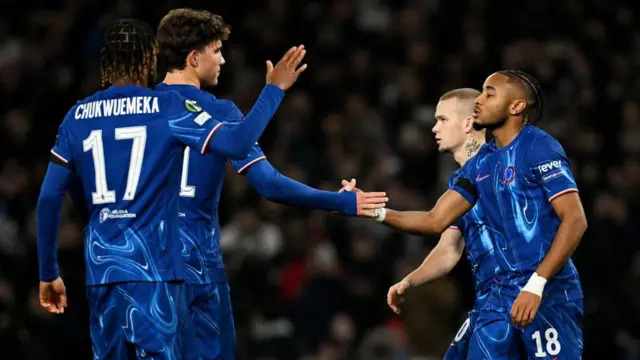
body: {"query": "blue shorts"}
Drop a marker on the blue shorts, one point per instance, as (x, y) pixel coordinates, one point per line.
(138, 320)
(213, 334)
(495, 337)
(459, 347)
(555, 334)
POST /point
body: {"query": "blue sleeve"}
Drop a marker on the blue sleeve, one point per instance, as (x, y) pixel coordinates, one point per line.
(551, 168)
(458, 225)
(233, 117)
(234, 142)
(61, 152)
(76, 192)
(189, 123)
(278, 188)
(254, 156)
(452, 181)
(465, 185)
(48, 219)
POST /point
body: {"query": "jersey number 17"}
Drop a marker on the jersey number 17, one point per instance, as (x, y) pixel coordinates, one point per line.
(94, 143)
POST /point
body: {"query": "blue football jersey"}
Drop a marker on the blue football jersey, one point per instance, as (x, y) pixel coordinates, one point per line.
(479, 248)
(200, 192)
(515, 185)
(126, 145)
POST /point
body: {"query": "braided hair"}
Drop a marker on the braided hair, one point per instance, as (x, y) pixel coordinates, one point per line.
(128, 53)
(536, 103)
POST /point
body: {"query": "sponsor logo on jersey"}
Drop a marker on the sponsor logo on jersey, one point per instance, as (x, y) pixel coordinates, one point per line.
(106, 214)
(557, 164)
(553, 175)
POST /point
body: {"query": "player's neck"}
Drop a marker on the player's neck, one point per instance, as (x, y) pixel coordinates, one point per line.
(122, 82)
(468, 150)
(506, 133)
(182, 77)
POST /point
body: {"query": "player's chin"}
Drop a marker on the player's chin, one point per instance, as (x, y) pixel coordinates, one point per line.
(479, 125)
(212, 81)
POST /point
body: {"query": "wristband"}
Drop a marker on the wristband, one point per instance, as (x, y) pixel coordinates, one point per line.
(380, 214)
(535, 285)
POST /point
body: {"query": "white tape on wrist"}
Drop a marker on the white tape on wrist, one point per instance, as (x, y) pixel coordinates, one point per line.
(380, 215)
(535, 285)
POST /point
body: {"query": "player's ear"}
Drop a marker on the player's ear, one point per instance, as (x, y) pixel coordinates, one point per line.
(517, 107)
(192, 58)
(468, 124)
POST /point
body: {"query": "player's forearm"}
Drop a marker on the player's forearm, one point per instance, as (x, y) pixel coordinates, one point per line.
(564, 244)
(415, 222)
(48, 220)
(236, 141)
(451, 206)
(437, 264)
(278, 188)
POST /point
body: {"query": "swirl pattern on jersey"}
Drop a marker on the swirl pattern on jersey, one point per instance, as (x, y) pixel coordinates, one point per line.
(122, 253)
(146, 317)
(201, 253)
(479, 248)
(515, 186)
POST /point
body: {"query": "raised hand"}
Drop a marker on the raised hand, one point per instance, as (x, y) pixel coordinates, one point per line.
(53, 296)
(367, 202)
(286, 71)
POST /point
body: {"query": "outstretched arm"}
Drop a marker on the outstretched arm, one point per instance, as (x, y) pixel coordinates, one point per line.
(276, 187)
(236, 142)
(195, 127)
(451, 206)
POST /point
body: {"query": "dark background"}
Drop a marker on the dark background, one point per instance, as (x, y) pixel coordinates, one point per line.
(309, 285)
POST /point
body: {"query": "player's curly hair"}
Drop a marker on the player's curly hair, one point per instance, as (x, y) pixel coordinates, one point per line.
(536, 106)
(128, 53)
(184, 30)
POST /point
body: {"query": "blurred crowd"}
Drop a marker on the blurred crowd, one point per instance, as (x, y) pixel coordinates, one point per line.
(311, 285)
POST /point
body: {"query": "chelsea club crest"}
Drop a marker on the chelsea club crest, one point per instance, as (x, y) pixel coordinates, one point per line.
(509, 175)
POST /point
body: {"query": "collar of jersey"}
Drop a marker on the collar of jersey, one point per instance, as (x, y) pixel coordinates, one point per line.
(494, 146)
(116, 89)
(182, 86)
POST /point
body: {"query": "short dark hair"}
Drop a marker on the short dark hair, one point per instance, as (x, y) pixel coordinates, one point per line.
(184, 30)
(536, 107)
(461, 93)
(128, 53)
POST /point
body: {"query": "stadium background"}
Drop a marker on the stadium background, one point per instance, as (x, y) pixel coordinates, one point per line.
(309, 285)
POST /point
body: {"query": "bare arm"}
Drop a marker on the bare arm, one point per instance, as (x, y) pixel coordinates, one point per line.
(572, 227)
(440, 260)
(446, 211)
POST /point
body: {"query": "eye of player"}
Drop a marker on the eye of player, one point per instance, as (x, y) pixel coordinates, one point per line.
(489, 91)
